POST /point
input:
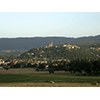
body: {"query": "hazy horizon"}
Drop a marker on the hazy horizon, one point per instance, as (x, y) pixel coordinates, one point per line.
(48, 36)
(49, 24)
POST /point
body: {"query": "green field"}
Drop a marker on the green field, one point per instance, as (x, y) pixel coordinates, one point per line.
(46, 77)
(28, 77)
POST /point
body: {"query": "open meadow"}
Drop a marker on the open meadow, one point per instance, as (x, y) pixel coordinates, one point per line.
(31, 78)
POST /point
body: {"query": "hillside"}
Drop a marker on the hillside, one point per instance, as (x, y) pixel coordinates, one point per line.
(62, 51)
(86, 43)
(36, 42)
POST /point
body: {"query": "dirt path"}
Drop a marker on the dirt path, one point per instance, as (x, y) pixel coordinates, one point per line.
(48, 85)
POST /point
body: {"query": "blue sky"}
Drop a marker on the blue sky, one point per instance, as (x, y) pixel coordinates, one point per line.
(63, 24)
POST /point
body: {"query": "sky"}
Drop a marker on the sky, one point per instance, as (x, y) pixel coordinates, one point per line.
(36, 24)
(25, 18)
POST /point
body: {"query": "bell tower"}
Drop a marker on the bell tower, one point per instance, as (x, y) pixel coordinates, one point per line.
(52, 42)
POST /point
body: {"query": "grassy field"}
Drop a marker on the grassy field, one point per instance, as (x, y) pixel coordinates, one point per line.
(10, 78)
(26, 77)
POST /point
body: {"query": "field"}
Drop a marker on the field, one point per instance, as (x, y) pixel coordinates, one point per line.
(32, 78)
(47, 85)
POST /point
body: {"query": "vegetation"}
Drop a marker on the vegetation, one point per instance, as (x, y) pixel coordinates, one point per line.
(11, 52)
(20, 78)
(36, 42)
(80, 66)
(6, 68)
(60, 52)
(89, 49)
(86, 43)
(2, 57)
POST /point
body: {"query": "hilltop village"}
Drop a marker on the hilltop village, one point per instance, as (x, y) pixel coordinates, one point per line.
(57, 55)
(40, 59)
(63, 57)
(67, 46)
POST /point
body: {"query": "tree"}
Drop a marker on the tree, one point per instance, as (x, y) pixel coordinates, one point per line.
(51, 69)
(17, 65)
(88, 68)
(34, 66)
(41, 66)
(96, 67)
(6, 68)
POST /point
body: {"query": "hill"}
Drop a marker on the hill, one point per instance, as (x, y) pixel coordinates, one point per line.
(86, 43)
(62, 51)
(36, 42)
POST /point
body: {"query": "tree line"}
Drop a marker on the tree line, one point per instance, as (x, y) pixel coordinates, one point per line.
(80, 66)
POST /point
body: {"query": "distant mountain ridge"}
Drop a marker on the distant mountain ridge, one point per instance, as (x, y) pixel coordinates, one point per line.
(36, 42)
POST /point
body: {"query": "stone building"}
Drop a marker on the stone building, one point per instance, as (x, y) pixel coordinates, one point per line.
(50, 45)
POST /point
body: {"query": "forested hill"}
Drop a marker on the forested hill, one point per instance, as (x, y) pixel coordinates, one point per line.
(87, 43)
(36, 42)
(62, 51)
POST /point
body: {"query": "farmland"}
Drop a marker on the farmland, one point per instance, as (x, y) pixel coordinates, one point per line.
(32, 78)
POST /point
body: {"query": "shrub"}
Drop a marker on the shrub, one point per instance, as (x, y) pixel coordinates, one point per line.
(6, 68)
(37, 69)
(51, 71)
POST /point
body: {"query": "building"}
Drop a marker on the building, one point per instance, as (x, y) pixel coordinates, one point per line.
(1, 61)
(50, 45)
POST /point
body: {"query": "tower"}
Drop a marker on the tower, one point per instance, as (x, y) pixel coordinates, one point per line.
(52, 42)
(50, 45)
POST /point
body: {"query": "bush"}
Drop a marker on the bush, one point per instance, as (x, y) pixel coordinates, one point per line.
(37, 69)
(6, 68)
(51, 71)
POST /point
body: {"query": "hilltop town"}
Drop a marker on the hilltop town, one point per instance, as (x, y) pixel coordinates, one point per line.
(36, 60)
(50, 53)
